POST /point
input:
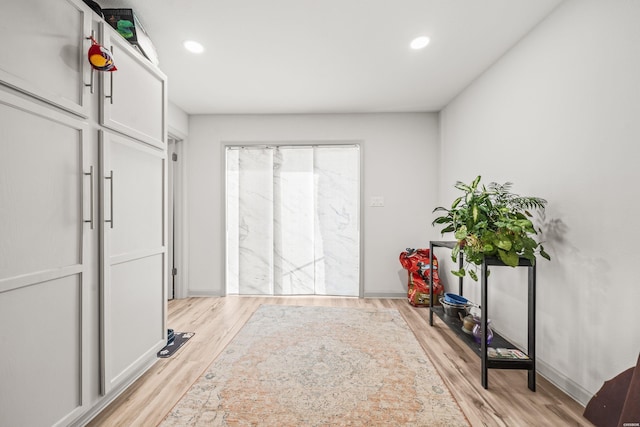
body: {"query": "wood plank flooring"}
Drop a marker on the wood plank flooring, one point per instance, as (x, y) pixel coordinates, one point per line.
(215, 321)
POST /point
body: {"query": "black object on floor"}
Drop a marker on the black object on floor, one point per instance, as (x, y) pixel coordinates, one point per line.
(179, 339)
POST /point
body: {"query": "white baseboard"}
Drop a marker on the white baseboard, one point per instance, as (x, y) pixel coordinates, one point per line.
(385, 295)
(564, 383)
(572, 389)
(105, 400)
(199, 293)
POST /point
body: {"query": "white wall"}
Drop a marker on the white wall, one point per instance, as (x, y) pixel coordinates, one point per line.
(400, 163)
(178, 120)
(559, 116)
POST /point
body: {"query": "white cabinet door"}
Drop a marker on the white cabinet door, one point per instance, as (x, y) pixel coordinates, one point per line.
(46, 271)
(134, 270)
(47, 61)
(134, 99)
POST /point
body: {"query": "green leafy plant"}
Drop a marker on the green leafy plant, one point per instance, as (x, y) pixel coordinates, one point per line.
(491, 221)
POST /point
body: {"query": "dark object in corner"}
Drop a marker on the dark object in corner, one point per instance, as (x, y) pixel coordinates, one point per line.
(95, 6)
(617, 401)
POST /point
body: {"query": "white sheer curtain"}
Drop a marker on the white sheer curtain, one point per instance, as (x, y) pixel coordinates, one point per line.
(293, 220)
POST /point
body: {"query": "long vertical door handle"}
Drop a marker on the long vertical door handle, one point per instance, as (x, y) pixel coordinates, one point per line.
(110, 96)
(90, 173)
(90, 84)
(110, 178)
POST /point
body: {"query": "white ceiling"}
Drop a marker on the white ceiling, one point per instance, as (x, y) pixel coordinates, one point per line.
(328, 56)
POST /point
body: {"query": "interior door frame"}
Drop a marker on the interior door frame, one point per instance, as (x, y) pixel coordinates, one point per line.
(177, 232)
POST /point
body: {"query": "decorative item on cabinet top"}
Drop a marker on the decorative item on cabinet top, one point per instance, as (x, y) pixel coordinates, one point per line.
(127, 24)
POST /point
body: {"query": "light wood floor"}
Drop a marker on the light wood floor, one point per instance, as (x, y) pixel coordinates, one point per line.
(507, 402)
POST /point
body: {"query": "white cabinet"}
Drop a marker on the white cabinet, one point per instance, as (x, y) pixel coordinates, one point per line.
(82, 215)
(133, 256)
(44, 49)
(48, 257)
(134, 96)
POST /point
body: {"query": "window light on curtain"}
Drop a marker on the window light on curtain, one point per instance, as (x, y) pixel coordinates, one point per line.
(293, 220)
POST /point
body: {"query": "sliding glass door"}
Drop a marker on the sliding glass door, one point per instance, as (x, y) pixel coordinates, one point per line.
(293, 219)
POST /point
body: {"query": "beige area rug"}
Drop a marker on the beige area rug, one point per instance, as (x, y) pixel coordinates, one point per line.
(320, 366)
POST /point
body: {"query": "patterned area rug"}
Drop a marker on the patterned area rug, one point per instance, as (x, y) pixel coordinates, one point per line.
(320, 366)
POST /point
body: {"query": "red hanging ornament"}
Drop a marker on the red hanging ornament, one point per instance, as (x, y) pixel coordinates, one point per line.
(99, 57)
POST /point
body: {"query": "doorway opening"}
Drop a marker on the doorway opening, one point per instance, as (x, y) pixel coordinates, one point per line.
(174, 199)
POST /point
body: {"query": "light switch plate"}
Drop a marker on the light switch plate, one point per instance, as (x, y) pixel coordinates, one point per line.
(376, 201)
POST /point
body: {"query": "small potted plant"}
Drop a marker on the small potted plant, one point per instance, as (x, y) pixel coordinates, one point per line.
(491, 221)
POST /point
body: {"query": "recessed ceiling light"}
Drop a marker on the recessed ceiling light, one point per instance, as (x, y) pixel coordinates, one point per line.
(193, 46)
(419, 42)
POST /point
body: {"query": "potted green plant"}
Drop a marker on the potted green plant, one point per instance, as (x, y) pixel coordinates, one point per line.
(491, 221)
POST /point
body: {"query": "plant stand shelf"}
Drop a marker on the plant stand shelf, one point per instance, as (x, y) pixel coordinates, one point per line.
(498, 341)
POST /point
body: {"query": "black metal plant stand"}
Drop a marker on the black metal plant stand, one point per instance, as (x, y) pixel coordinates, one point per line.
(487, 362)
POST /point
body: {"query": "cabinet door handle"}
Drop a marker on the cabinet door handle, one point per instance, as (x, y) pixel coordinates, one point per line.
(90, 82)
(110, 96)
(90, 174)
(92, 70)
(110, 178)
